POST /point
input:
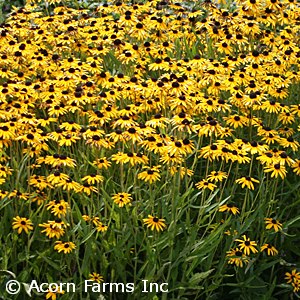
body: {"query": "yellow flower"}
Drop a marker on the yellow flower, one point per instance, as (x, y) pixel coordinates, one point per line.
(229, 208)
(217, 176)
(52, 231)
(237, 257)
(66, 247)
(247, 182)
(273, 223)
(205, 184)
(246, 245)
(88, 189)
(53, 295)
(96, 277)
(122, 199)
(58, 208)
(271, 250)
(293, 276)
(102, 163)
(93, 178)
(101, 227)
(277, 170)
(22, 224)
(151, 175)
(155, 223)
(57, 177)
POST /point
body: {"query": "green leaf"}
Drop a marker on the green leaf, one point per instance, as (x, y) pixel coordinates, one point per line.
(88, 236)
(291, 222)
(198, 277)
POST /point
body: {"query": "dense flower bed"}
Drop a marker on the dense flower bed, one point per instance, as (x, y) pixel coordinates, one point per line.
(154, 140)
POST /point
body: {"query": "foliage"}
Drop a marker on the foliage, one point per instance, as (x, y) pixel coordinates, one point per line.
(151, 141)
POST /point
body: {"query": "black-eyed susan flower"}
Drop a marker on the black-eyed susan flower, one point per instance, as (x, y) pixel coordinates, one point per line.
(122, 199)
(276, 170)
(296, 286)
(205, 184)
(247, 245)
(58, 160)
(58, 223)
(21, 223)
(177, 148)
(59, 208)
(171, 159)
(237, 257)
(17, 194)
(57, 177)
(293, 276)
(182, 171)
(266, 158)
(150, 175)
(247, 181)
(93, 178)
(296, 166)
(271, 250)
(102, 163)
(3, 194)
(272, 223)
(96, 277)
(289, 142)
(100, 227)
(236, 121)
(65, 247)
(40, 198)
(95, 220)
(52, 294)
(155, 223)
(5, 171)
(130, 157)
(86, 218)
(229, 208)
(88, 188)
(52, 231)
(212, 152)
(69, 184)
(217, 176)
(284, 158)
(255, 147)
(286, 117)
